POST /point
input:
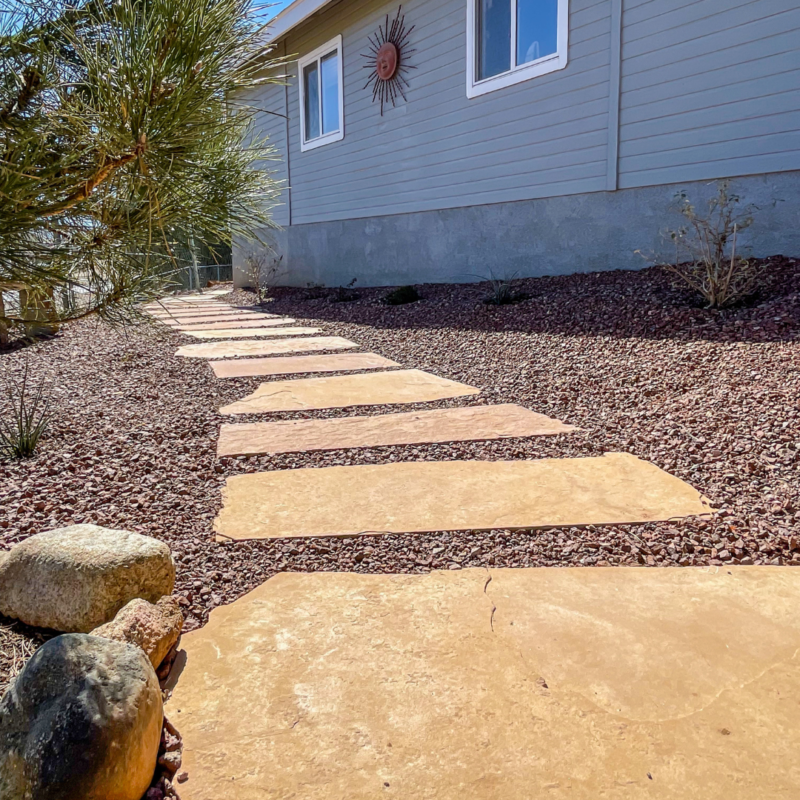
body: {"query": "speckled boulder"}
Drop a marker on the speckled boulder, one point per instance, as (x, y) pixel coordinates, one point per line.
(154, 628)
(74, 579)
(82, 721)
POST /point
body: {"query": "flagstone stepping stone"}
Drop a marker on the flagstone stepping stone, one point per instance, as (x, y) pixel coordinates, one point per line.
(229, 311)
(416, 497)
(256, 348)
(235, 324)
(338, 362)
(212, 319)
(178, 302)
(497, 684)
(416, 427)
(342, 391)
(235, 334)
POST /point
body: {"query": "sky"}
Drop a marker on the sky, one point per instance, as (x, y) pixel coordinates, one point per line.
(275, 7)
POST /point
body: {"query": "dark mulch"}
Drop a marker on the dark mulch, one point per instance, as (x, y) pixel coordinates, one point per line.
(639, 366)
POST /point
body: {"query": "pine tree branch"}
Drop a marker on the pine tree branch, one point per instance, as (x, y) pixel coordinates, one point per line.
(32, 80)
(93, 182)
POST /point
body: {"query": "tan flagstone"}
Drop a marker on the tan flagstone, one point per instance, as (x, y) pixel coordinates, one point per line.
(235, 334)
(414, 497)
(500, 684)
(235, 324)
(210, 314)
(415, 427)
(257, 348)
(203, 309)
(169, 301)
(399, 386)
(219, 316)
(337, 362)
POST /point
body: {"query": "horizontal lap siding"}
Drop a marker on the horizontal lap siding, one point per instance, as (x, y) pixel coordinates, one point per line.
(709, 90)
(269, 102)
(540, 138)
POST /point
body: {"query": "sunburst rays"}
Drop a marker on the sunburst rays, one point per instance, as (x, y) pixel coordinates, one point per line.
(388, 90)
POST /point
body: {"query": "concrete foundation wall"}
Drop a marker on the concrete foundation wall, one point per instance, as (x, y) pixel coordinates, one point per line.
(549, 236)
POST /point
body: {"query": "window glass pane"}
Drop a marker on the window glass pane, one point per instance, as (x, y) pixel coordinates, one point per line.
(329, 68)
(311, 88)
(494, 37)
(537, 29)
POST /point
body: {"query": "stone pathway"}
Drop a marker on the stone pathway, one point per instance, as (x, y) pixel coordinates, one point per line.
(416, 427)
(497, 685)
(482, 684)
(408, 497)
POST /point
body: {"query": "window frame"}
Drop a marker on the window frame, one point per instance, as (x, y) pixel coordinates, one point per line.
(517, 73)
(330, 46)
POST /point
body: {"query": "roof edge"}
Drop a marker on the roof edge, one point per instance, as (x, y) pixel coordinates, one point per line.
(292, 16)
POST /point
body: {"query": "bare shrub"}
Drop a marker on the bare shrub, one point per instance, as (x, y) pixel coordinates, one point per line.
(262, 271)
(706, 254)
(345, 294)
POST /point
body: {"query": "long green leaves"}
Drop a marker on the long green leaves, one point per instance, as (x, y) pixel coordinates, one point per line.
(26, 418)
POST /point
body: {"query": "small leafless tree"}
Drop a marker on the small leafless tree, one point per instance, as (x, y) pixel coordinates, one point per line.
(262, 270)
(707, 249)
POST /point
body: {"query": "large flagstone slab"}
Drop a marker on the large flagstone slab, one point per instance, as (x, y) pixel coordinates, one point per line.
(265, 322)
(415, 497)
(399, 386)
(248, 332)
(570, 684)
(335, 362)
(257, 348)
(415, 427)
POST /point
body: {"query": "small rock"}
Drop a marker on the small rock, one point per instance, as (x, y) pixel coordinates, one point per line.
(154, 628)
(182, 777)
(74, 579)
(82, 721)
(171, 761)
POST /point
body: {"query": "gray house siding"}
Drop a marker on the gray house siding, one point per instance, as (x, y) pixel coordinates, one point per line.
(571, 170)
(709, 90)
(440, 150)
(272, 121)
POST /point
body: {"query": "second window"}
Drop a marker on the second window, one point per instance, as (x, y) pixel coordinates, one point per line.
(321, 100)
(514, 40)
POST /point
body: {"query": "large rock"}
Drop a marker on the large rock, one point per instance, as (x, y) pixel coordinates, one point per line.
(153, 628)
(82, 721)
(74, 579)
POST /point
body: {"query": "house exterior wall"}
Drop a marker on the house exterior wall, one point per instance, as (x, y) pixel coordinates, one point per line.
(656, 93)
(709, 89)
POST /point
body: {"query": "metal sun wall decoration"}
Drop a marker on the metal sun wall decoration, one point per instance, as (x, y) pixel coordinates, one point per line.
(386, 59)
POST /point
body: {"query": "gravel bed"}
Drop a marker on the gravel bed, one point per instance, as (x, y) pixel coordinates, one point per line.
(638, 365)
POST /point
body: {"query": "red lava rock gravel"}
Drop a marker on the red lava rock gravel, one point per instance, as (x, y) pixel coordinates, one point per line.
(712, 397)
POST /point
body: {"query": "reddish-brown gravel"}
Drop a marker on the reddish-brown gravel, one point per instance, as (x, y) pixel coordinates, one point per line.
(712, 397)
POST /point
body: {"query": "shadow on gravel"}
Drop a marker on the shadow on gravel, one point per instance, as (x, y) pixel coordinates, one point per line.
(644, 304)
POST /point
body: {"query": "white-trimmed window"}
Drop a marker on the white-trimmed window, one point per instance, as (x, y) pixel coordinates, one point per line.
(321, 96)
(509, 41)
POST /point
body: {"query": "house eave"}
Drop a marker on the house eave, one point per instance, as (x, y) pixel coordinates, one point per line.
(292, 16)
